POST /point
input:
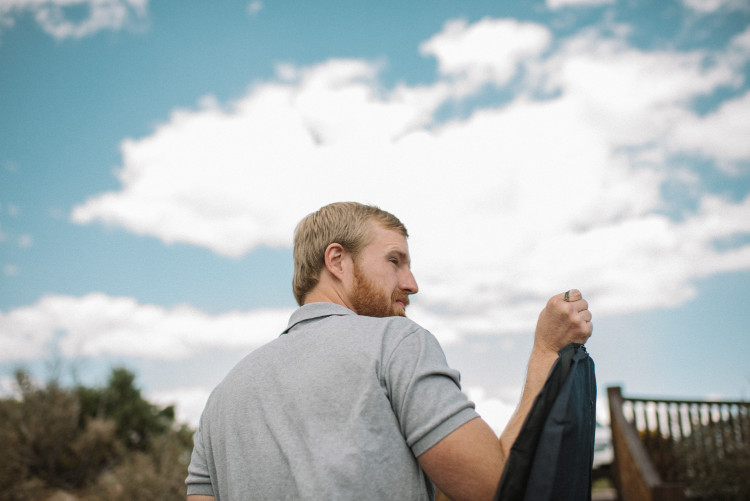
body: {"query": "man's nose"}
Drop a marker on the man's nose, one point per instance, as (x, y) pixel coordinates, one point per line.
(409, 283)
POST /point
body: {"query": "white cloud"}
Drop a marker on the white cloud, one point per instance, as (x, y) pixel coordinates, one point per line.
(711, 6)
(505, 207)
(8, 387)
(189, 402)
(490, 50)
(54, 18)
(557, 4)
(496, 412)
(630, 96)
(25, 241)
(97, 324)
(254, 7)
(722, 134)
(11, 270)
(741, 43)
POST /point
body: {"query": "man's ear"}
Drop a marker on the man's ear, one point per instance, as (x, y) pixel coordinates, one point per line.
(335, 256)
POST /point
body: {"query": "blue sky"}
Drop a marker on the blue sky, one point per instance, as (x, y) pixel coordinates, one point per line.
(155, 157)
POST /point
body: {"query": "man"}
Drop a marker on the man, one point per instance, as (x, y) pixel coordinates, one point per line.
(354, 401)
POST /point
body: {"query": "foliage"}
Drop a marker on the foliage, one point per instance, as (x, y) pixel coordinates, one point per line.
(99, 443)
(157, 475)
(726, 478)
(137, 420)
(715, 464)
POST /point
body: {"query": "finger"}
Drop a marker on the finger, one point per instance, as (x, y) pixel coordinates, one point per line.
(586, 315)
(571, 296)
(581, 305)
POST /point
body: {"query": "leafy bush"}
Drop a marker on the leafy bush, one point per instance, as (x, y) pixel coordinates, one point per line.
(99, 443)
(711, 471)
(137, 420)
(159, 475)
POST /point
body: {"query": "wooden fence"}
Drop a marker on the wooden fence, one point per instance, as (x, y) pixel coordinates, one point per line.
(671, 449)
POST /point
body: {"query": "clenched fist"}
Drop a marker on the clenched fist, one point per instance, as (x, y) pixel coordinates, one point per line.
(565, 319)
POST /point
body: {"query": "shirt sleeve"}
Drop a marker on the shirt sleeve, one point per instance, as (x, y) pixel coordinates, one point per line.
(425, 393)
(198, 480)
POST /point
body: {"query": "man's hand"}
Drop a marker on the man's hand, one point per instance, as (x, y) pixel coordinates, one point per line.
(565, 319)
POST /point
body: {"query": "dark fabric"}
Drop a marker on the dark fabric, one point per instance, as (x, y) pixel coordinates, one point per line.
(552, 457)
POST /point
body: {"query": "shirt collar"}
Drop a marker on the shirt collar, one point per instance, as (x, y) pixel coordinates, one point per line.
(313, 311)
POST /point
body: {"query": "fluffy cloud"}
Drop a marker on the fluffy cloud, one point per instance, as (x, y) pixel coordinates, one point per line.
(254, 8)
(711, 6)
(557, 4)
(189, 402)
(53, 17)
(630, 96)
(495, 411)
(560, 186)
(722, 134)
(488, 51)
(11, 270)
(97, 324)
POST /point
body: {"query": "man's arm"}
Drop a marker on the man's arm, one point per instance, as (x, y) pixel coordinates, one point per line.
(468, 463)
(200, 497)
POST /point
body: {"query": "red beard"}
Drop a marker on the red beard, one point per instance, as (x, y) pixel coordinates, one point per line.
(371, 301)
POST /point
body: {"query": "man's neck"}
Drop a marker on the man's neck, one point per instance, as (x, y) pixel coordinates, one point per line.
(326, 295)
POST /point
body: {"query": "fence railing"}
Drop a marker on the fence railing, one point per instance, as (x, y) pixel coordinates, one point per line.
(667, 448)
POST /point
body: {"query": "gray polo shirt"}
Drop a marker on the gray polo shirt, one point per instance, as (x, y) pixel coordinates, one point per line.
(338, 407)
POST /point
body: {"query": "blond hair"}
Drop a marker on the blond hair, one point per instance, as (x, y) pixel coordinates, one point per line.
(343, 223)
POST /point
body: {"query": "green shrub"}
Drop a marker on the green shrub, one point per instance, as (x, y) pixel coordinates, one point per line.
(714, 472)
(100, 443)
